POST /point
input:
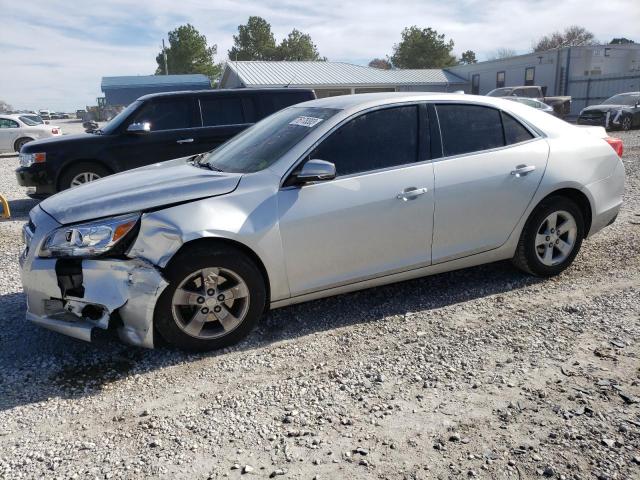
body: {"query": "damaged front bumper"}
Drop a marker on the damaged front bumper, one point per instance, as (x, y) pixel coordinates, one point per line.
(80, 298)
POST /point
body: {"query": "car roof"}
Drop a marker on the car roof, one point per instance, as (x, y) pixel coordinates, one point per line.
(227, 91)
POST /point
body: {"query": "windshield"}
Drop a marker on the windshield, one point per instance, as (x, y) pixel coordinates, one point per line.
(116, 121)
(500, 92)
(31, 121)
(260, 146)
(623, 99)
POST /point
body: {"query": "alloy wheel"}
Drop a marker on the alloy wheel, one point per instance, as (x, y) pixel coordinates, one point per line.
(210, 303)
(626, 123)
(556, 238)
(84, 177)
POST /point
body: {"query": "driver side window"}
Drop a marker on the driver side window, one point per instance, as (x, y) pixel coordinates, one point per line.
(165, 115)
(378, 139)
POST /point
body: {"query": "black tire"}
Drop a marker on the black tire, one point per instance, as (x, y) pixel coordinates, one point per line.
(197, 258)
(79, 168)
(526, 258)
(20, 143)
(626, 122)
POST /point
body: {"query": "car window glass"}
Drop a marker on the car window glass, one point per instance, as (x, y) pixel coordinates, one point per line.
(469, 128)
(378, 139)
(28, 121)
(273, 102)
(221, 111)
(8, 123)
(165, 115)
(514, 131)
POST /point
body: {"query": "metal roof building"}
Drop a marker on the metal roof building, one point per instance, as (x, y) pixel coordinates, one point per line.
(336, 78)
(124, 90)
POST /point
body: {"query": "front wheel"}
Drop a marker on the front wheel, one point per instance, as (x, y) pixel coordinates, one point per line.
(551, 237)
(626, 123)
(215, 297)
(81, 173)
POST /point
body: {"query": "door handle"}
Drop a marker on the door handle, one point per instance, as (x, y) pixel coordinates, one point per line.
(411, 193)
(522, 170)
(185, 140)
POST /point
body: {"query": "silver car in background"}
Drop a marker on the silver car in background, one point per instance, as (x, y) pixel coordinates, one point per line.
(326, 197)
(533, 103)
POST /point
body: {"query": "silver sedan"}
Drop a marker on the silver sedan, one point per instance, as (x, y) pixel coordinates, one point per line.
(322, 198)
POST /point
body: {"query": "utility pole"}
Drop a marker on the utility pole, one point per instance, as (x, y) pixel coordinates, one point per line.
(164, 55)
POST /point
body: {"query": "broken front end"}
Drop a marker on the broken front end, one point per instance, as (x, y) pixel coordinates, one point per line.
(79, 282)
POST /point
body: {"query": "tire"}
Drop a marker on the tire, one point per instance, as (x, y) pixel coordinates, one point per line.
(625, 124)
(176, 314)
(535, 259)
(89, 170)
(20, 143)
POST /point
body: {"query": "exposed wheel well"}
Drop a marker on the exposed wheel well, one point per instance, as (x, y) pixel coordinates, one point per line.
(73, 163)
(240, 246)
(581, 200)
(15, 144)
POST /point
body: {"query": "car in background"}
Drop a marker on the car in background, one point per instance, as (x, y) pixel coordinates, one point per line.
(152, 129)
(622, 112)
(532, 102)
(322, 198)
(18, 130)
(45, 114)
(560, 104)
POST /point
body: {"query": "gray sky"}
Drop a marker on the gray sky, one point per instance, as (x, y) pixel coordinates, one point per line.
(54, 53)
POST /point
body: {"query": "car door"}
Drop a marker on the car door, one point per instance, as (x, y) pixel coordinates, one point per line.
(491, 167)
(9, 133)
(375, 217)
(172, 120)
(223, 117)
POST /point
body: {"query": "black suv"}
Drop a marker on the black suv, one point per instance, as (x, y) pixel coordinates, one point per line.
(152, 129)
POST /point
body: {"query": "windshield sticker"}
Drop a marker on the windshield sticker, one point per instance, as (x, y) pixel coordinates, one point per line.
(305, 121)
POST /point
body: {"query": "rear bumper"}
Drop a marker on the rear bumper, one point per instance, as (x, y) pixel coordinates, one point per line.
(607, 199)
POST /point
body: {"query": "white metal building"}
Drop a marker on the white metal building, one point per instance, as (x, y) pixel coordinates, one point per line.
(336, 78)
(589, 74)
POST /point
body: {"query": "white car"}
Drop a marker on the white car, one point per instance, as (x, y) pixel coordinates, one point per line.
(16, 130)
(318, 199)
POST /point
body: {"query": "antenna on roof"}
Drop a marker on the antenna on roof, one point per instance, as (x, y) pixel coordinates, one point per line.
(290, 81)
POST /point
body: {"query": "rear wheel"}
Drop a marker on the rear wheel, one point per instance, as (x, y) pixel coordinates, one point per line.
(20, 143)
(215, 297)
(551, 237)
(82, 173)
(626, 123)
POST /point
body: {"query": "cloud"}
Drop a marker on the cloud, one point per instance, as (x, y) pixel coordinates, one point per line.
(54, 53)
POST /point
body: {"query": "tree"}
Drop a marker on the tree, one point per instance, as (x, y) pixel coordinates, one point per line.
(298, 46)
(573, 36)
(502, 53)
(380, 63)
(188, 52)
(422, 48)
(621, 41)
(468, 58)
(254, 41)
(5, 107)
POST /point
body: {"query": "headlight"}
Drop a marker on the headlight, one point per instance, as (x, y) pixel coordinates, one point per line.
(28, 159)
(88, 239)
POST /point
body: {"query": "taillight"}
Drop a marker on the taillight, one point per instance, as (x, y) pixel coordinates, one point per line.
(616, 144)
(55, 131)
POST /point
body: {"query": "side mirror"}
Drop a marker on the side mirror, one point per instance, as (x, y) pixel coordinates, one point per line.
(315, 171)
(138, 128)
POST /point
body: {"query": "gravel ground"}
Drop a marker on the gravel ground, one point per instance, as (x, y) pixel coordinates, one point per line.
(482, 373)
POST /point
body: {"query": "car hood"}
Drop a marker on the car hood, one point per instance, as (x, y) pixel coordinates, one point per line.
(156, 185)
(605, 108)
(60, 140)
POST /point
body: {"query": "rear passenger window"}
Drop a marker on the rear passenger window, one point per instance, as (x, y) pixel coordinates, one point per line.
(221, 111)
(271, 103)
(166, 115)
(469, 128)
(514, 131)
(379, 139)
